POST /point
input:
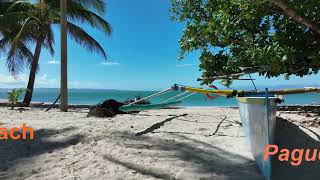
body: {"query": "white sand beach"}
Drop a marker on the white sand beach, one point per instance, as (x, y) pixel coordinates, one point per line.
(85, 59)
(190, 143)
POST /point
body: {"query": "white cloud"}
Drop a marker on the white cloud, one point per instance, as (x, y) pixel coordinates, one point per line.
(54, 62)
(110, 63)
(42, 81)
(184, 65)
(8, 81)
(12, 81)
(45, 82)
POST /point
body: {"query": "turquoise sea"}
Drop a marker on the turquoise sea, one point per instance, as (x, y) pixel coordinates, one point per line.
(94, 96)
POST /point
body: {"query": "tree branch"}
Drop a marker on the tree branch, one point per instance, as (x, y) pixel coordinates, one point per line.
(296, 16)
(244, 71)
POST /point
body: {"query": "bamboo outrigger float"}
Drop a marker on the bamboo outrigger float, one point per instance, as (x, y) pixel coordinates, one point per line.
(257, 111)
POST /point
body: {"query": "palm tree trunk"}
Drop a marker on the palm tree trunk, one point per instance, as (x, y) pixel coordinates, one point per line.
(64, 58)
(33, 71)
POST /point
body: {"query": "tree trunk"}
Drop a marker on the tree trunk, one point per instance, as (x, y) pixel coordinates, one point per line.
(33, 71)
(288, 11)
(64, 57)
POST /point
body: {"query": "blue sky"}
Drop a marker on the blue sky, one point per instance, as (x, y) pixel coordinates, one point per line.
(142, 55)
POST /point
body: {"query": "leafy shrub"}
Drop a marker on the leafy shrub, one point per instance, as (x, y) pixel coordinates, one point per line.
(13, 97)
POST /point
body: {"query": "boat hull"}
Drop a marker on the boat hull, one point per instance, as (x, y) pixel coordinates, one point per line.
(259, 122)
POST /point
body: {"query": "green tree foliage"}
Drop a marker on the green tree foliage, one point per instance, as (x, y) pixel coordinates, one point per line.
(24, 23)
(272, 37)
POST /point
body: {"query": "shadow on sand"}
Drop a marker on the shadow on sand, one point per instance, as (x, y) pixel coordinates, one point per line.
(197, 159)
(12, 151)
(207, 161)
(291, 136)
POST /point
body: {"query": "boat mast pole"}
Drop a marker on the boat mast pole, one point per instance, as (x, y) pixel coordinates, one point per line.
(268, 167)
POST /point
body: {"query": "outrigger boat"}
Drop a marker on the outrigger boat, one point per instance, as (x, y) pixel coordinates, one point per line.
(257, 112)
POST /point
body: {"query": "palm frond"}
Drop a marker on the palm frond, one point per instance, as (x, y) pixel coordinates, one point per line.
(85, 40)
(78, 12)
(18, 57)
(11, 19)
(49, 40)
(17, 37)
(94, 5)
(97, 5)
(21, 6)
(17, 54)
(92, 19)
(6, 40)
(27, 54)
(4, 5)
(4, 44)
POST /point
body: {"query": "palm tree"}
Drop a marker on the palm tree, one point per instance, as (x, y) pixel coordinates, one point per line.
(32, 23)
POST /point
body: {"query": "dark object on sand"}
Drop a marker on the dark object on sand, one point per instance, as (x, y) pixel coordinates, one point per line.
(108, 108)
(143, 102)
(54, 103)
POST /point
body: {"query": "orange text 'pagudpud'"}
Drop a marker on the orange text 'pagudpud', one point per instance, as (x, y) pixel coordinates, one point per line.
(295, 156)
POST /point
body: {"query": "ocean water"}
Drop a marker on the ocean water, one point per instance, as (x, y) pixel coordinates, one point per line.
(94, 96)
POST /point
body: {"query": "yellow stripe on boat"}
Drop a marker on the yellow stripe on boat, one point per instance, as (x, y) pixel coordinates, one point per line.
(220, 92)
(248, 100)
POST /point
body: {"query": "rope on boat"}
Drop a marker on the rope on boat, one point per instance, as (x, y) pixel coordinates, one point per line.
(152, 95)
(187, 96)
(254, 85)
(174, 97)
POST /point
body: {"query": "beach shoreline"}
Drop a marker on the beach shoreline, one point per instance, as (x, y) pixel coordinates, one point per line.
(290, 107)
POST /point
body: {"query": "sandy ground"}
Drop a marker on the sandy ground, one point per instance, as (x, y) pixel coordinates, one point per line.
(193, 143)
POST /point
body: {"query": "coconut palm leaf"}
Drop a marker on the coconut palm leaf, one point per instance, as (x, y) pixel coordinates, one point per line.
(16, 39)
(18, 58)
(49, 41)
(94, 20)
(94, 5)
(78, 12)
(5, 5)
(21, 6)
(97, 5)
(85, 40)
